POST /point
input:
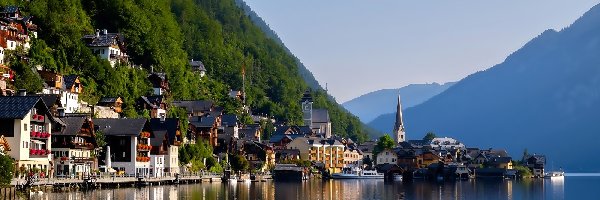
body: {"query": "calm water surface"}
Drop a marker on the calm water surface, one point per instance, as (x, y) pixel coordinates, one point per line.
(572, 187)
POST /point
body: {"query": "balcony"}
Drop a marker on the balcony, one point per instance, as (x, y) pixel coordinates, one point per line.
(143, 147)
(142, 159)
(37, 118)
(83, 145)
(38, 152)
(40, 135)
(144, 135)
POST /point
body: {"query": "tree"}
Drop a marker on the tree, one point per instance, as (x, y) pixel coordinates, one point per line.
(239, 163)
(100, 139)
(429, 136)
(384, 142)
(6, 169)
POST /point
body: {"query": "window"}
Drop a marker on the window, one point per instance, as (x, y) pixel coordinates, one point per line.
(25, 126)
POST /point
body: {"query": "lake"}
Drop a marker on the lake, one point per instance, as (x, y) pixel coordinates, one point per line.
(573, 186)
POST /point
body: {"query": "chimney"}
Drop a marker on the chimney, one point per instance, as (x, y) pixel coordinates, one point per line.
(97, 32)
(22, 92)
(61, 112)
(104, 31)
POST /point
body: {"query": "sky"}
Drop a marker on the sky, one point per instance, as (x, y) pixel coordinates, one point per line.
(356, 47)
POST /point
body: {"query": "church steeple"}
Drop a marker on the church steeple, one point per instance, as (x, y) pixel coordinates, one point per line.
(399, 125)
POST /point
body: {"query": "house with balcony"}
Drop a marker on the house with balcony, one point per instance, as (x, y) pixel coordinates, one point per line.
(67, 87)
(114, 103)
(250, 132)
(169, 147)
(536, 163)
(73, 147)
(156, 105)
(160, 83)
(205, 127)
(25, 123)
(327, 153)
(108, 46)
(129, 141)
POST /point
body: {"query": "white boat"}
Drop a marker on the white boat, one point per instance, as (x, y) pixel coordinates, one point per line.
(554, 175)
(357, 173)
(397, 177)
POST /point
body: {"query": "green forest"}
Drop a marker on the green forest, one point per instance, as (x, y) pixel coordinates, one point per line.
(164, 36)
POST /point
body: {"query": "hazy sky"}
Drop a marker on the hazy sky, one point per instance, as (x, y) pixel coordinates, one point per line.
(362, 46)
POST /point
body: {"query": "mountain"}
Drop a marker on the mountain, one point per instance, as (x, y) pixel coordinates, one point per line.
(308, 77)
(163, 36)
(369, 106)
(545, 98)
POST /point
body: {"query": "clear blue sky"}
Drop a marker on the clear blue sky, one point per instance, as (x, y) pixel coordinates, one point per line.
(362, 46)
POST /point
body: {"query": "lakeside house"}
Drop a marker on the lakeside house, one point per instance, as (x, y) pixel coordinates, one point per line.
(170, 128)
(73, 147)
(129, 140)
(26, 124)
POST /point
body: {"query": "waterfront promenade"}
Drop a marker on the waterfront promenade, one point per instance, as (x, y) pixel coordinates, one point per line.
(113, 180)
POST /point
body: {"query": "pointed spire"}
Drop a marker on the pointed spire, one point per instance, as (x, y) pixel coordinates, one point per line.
(399, 120)
(399, 125)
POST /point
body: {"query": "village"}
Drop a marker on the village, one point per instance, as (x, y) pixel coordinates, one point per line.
(54, 135)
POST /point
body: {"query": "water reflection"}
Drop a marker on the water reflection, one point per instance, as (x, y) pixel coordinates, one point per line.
(335, 189)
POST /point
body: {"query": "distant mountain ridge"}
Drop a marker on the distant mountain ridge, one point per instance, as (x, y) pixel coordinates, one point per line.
(545, 98)
(373, 104)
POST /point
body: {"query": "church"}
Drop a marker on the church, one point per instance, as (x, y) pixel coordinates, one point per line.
(400, 135)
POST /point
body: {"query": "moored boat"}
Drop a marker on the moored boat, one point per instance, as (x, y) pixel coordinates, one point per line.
(554, 175)
(357, 173)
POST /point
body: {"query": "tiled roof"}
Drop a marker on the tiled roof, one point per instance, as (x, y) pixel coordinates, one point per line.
(159, 137)
(49, 99)
(108, 100)
(10, 9)
(103, 40)
(17, 107)
(120, 127)
(229, 120)
(320, 116)
(205, 122)
(197, 65)
(69, 80)
(72, 125)
(169, 125)
(195, 106)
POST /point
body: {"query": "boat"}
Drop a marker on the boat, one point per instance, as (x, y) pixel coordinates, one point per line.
(288, 172)
(554, 175)
(397, 177)
(357, 173)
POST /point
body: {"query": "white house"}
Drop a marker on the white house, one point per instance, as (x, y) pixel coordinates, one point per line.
(168, 130)
(25, 123)
(109, 46)
(387, 156)
(129, 140)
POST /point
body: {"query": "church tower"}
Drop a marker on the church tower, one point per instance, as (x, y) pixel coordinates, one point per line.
(306, 103)
(399, 126)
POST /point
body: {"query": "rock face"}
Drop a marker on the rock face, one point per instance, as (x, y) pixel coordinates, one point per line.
(544, 97)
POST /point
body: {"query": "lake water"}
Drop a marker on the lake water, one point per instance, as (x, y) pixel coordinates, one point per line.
(573, 186)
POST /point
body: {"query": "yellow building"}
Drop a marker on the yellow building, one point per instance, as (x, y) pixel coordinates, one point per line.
(328, 152)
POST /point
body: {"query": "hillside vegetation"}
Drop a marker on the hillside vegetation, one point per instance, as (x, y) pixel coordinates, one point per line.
(163, 36)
